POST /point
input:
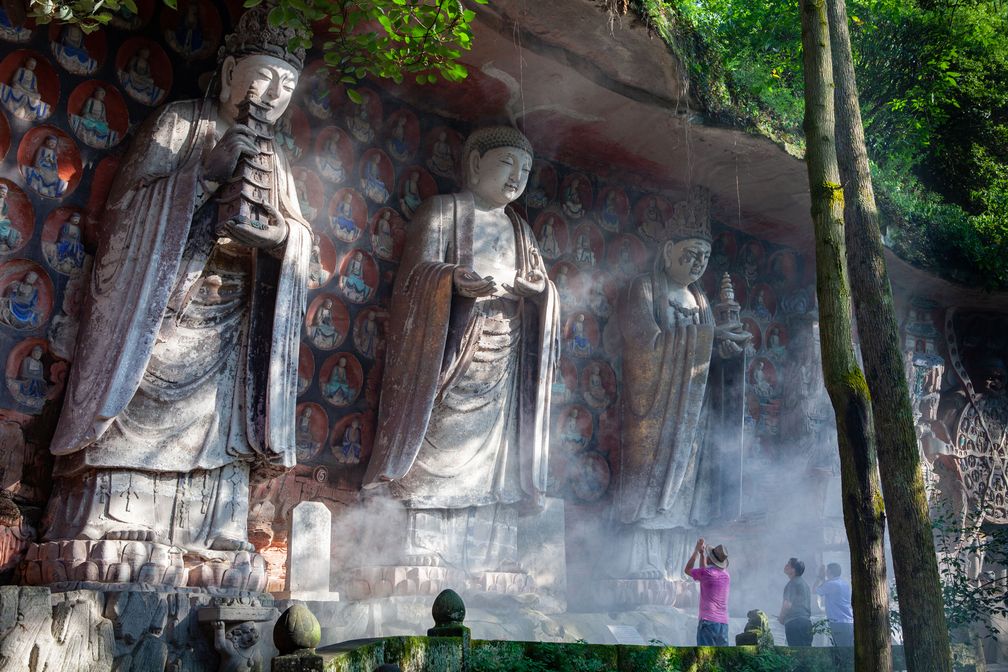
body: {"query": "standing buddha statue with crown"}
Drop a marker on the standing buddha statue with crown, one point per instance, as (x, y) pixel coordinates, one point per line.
(671, 473)
(185, 375)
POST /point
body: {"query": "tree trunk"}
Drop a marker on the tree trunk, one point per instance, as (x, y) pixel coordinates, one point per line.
(914, 562)
(864, 515)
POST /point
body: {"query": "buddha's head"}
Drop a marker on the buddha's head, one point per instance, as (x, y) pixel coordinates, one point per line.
(497, 164)
(256, 60)
(686, 260)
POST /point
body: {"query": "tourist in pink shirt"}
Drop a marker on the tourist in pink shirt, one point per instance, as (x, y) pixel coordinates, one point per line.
(712, 629)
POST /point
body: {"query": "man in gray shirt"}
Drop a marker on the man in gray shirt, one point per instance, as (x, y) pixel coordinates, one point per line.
(796, 611)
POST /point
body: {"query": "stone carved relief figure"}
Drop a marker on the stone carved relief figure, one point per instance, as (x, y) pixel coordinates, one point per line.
(68, 253)
(411, 200)
(323, 330)
(359, 122)
(21, 95)
(72, 53)
(19, 308)
(548, 240)
(91, 125)
(669, 337)
(383, 242)
(338, 388)
(371, 182)
(348, 450)
(353, 283)
(185, 371)
(10, 237)
(31, 385)
(462, 433)
(43, 175)
(138, 80)
(343, 220)
(331, 161)
(188, 38)
(317, 275)
(442, 160)
(237, 647)
(307, 445)
(572, 205)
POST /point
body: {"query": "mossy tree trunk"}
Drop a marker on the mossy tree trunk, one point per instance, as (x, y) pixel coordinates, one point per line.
(914, 561)
(864, 514)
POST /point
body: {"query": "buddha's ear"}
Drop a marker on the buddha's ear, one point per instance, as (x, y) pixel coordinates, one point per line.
(226, 77)
(472, 165)
(667, 248)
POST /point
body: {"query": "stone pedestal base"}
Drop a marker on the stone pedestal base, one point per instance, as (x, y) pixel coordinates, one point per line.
(410, 581)
(504, 583)
(400, 580)
(132, 628)
(633, 593)
(109, 561)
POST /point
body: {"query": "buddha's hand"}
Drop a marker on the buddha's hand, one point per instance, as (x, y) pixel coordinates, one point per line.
(266, 238)
(219, 164)
(731, 341)
(471, 284)
(532, 283)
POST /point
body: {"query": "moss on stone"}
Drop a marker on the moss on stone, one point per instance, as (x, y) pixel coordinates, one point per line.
(443, 654)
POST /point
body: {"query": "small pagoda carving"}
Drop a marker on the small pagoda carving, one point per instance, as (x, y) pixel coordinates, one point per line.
(245, 199)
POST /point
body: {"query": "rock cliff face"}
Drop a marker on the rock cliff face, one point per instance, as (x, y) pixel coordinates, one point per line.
(618, 142)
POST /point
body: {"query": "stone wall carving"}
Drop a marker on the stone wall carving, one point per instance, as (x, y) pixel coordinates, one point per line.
(360, 173)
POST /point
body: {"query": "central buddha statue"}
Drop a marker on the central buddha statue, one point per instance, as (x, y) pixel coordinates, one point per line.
(185, 374)
(463, 423)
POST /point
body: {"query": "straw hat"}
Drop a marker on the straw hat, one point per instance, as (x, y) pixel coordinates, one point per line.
(718, 556)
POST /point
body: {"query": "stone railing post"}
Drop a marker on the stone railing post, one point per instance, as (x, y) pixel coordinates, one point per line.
(296, 634)
(449, 611)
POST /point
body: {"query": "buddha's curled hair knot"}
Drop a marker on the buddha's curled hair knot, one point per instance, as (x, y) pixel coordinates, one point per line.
(484, 139)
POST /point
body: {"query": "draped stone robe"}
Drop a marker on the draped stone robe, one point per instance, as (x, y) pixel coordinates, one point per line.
(463, 419)
(667, 471)
(185, 372)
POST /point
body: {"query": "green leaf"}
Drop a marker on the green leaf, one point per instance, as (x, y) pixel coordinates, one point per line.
(354, 95)
(251, 3)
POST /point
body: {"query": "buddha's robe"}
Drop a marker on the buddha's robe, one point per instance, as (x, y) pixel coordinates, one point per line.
(186, 361)
(667, 470)
(463, 419)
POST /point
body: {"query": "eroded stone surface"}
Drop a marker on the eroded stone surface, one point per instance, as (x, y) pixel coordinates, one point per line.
(122, 562)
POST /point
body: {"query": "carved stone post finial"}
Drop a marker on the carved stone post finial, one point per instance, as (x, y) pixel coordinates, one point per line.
(448, 611)
(296, 634)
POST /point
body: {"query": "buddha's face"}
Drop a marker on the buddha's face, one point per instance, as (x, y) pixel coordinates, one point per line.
(272, 80)
(500, 175)
(686, 260)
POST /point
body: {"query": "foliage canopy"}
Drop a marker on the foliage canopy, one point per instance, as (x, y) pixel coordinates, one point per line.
(389, 39)
(934, 101)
